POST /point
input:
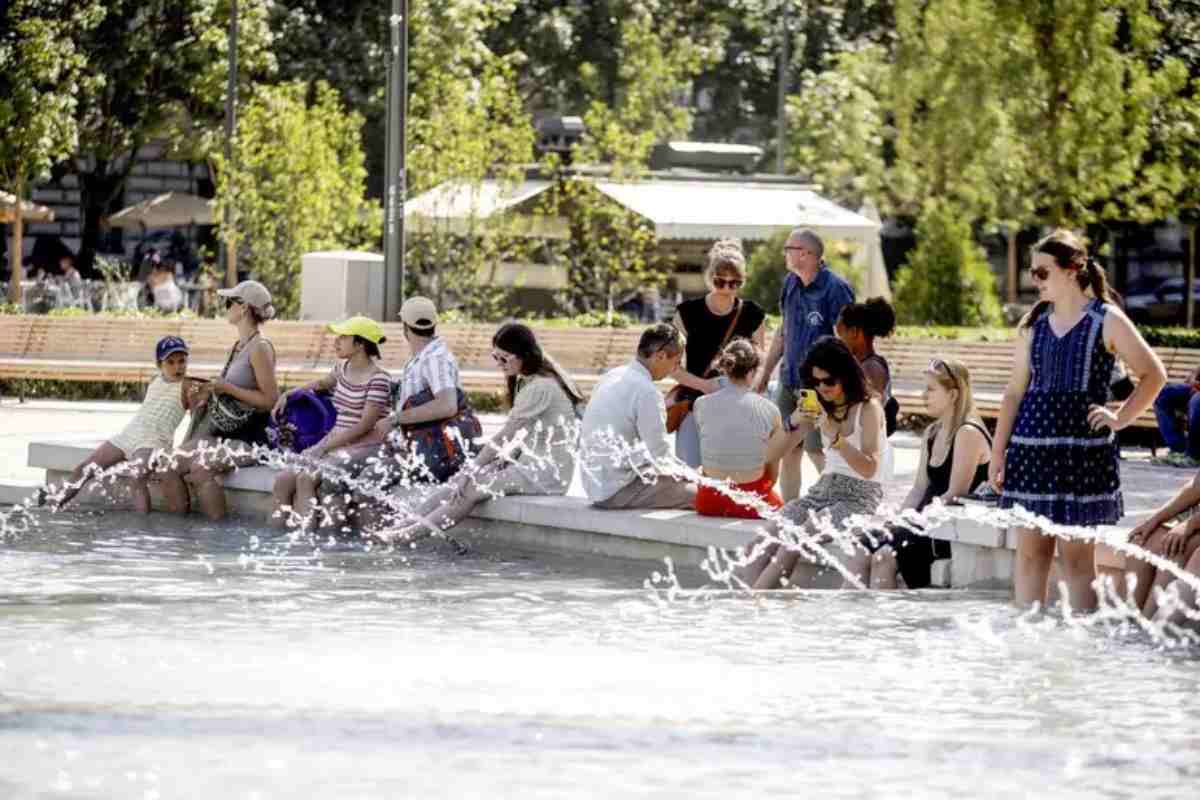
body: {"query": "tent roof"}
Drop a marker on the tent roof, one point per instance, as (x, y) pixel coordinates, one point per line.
(170, 210)
(29, 211)
(744, 210)
(679, 209)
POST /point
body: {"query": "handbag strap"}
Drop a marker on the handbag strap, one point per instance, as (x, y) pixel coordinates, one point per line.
(737, 314)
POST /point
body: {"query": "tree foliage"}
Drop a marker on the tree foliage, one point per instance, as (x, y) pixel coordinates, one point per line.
(158, 73)
(947, 279)
(296, 185)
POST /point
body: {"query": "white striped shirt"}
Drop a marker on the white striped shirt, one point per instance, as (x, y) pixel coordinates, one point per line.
(434, 368)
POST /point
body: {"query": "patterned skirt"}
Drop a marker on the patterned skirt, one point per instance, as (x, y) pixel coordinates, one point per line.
(835, 497)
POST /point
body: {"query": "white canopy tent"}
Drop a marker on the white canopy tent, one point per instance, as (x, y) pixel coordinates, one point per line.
(170, 210)
(679, 209)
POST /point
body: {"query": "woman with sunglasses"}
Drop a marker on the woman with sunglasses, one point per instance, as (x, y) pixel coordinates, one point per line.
(1055, 450)
(709, 323)
(954, 462)
(534, 453)
(232, 410)
(857, 453)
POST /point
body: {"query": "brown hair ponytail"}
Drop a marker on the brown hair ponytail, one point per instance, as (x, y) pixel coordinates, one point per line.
(1069, 252)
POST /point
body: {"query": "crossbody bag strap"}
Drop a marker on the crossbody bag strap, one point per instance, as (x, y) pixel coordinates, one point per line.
(737, 314)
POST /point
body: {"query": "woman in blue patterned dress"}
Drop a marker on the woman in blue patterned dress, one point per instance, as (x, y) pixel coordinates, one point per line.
(1055, 450)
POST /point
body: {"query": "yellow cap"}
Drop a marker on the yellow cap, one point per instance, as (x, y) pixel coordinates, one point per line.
(365, 327)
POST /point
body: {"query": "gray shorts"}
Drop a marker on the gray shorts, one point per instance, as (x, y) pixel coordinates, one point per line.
(785, 399)
(664, 492)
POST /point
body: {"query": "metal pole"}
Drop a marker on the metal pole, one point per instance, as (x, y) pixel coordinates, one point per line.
(397, 178)
(228, 250)
(781, 113)
(1189, 273)
(15, 244)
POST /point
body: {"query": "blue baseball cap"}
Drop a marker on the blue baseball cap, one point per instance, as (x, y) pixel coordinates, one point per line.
(168, 345)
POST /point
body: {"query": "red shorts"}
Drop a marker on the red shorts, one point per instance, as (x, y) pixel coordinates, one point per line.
(712, 503)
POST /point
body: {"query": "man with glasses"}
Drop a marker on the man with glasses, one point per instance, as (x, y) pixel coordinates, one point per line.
(811, 300)
(624, 442)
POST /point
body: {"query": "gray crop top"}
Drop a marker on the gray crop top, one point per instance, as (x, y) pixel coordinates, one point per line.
(735, 424)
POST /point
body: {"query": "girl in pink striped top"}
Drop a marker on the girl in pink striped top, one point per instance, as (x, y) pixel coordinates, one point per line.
(362, 396)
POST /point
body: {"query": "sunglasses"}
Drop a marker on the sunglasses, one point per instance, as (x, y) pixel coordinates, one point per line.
(230, 302)
(727, 283)
(829, 381)
(1039, 273)
(501, 360)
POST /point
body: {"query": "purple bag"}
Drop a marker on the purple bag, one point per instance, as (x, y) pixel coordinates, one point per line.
(305, 420)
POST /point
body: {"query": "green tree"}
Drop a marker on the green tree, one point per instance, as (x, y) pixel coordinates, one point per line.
(296, 185)
(41, 75)
(159, 74)
(946, 279)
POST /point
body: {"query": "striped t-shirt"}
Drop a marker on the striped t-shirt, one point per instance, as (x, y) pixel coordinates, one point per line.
(350, 399)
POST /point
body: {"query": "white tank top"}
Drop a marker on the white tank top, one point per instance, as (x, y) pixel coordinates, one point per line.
(836, 464)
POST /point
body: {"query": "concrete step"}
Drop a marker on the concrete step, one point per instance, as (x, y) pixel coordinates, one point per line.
(13, 491)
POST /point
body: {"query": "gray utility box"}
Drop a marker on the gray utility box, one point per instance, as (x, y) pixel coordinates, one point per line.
(341, 284)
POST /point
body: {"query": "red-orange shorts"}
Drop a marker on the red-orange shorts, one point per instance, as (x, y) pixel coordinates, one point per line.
(712, 503)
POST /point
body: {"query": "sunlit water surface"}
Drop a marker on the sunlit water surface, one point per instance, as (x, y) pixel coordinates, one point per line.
(154, 658)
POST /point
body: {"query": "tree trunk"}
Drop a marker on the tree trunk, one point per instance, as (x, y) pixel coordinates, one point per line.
(99, 190)
(14, 246)
(1014, 272)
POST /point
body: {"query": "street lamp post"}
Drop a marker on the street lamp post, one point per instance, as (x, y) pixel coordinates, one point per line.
(785, 36)
(397, 178)
(228, 248)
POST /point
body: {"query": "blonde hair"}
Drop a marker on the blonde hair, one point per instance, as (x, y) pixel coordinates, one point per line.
(952, 375)
(725, 256)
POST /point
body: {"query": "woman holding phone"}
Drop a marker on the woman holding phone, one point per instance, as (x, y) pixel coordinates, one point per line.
(852, 430)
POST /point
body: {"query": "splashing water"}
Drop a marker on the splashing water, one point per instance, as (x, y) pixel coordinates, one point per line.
(396, 483)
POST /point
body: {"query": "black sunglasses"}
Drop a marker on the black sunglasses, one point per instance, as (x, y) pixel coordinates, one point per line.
(829, 381)
(730, 283)
(230, 302)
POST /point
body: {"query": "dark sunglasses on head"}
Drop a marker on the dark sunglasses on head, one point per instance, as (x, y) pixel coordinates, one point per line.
(727, 283)
(830, 381)
(1039, 273)
(230, 302)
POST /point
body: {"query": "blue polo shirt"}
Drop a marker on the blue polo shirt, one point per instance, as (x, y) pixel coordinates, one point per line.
(809, 312)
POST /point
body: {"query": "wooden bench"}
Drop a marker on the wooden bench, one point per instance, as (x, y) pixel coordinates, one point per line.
(120, 349)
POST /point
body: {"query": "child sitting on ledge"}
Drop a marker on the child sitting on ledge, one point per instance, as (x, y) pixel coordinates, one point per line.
(153, 428)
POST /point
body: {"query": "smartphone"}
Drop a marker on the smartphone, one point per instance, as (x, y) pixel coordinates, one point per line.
(808, 400)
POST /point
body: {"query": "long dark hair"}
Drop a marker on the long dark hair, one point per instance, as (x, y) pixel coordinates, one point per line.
(518, 339)
(831, 355)
(1069, 252)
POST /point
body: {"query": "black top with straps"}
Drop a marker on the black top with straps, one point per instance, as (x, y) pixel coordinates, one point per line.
(705, 330)
(939, 476)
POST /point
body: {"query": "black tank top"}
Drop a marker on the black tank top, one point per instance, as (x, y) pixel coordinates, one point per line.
(705, 330)
(939, 476)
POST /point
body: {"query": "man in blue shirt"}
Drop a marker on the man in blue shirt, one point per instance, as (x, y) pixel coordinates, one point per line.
(810, 302)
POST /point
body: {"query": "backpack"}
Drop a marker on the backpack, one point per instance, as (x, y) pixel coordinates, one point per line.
(305, 420)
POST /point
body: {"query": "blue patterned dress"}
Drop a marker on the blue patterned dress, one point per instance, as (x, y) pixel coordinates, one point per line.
(1056, 465)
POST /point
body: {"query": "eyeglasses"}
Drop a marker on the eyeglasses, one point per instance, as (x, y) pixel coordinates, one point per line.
(727, 283)
(502, 360)
(230, 302)
(829, 381)
(796, 247)
(1039, 273)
